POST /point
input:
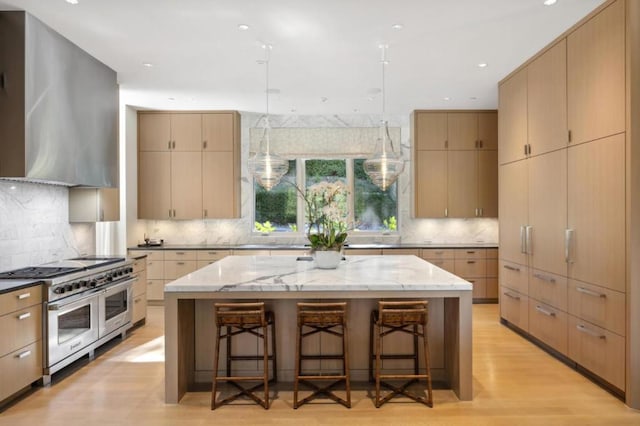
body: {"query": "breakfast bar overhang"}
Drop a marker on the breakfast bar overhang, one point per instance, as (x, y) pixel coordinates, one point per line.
(282, 280)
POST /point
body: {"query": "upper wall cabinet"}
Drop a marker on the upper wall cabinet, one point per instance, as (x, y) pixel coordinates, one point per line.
(547, 100)
(455, 164)
(188, 165)
(512, 127)
(596, 76)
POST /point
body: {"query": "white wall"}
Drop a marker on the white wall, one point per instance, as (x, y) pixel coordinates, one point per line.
(34, 226)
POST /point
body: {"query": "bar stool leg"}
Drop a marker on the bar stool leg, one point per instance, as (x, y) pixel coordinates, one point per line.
(427, 366)
(372, 347)
(265, 364)
(216, 359)
(378, 331)
(273, 348)
(298, 367)
(345, 363)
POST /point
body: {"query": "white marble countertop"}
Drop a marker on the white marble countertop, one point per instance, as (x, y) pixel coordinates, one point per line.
(287, 274)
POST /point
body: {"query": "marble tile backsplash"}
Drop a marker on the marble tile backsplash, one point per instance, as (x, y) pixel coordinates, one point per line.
(34, 226)
(238, 231)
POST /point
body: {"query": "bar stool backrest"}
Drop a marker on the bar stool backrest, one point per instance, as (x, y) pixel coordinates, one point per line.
(240, 314)
(322, 314)
(403, 313)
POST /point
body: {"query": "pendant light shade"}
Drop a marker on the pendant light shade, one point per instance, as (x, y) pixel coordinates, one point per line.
(384, 167)
(267, 167)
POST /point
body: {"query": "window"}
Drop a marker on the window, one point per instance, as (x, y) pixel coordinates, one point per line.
(282, 210)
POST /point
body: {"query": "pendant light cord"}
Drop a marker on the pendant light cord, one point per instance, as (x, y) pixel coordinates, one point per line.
(267, 126)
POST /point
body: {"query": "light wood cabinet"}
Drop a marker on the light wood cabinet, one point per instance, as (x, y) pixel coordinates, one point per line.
(430, 192)
(549, 325)
(139, 290)
(455, 164)
(196, 174)
(20, 339)
(547, 100)
(514, 307)
(596, 212)
(94, 204)
(598, 305)
(596, 76)
(514, 211)
(548, 288)
(154, 185)
(186, 181)
(598, 350)
(442, 258)
(512, 126)
(547, 215)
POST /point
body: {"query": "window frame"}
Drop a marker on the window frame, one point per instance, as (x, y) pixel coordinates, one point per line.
(300, 209)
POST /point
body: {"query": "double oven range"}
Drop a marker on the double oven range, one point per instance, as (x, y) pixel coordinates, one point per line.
(88, 302)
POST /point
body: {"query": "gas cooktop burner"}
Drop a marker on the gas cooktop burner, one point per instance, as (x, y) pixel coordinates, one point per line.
(37, 272)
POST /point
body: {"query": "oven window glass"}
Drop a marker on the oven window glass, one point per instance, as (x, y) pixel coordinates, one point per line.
(74, 323)
(115, 304)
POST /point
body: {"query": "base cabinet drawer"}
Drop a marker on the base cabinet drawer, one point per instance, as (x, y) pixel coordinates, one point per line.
(20, 299)
(548, 288)
(139, 308)
(211, 255)
(514, 276)
(549, 325)
(469, 268)
(479, 287)
(514, 307)
(155, 269)
(446, 264)
(20, 328)
(174, 269)
(492, 288)
(20, 368)
(435, 254)
(598, 305)
(598, 350)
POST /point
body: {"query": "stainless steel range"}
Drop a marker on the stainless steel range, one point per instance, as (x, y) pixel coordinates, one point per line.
(88, 302)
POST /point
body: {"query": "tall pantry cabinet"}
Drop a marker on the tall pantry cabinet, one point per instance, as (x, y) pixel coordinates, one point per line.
(565, 155)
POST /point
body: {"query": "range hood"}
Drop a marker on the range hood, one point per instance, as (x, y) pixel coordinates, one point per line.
(58, 108)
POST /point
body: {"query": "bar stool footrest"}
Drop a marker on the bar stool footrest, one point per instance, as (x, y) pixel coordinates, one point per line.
(326, 390)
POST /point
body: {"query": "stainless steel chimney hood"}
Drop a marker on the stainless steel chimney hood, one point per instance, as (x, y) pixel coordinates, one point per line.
(58, 108)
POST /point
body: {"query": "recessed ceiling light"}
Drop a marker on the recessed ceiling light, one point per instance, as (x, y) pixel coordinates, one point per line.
(397, 26)
(472, 98)
(293, 110)
(324, 99)
(243, 27)
(482, 65)
(147, 64)
(355, 110)
(72, 1)
(549, 2)
(446, 98)
(172, 99)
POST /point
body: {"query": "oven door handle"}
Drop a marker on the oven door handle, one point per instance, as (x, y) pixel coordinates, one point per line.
(59, 306)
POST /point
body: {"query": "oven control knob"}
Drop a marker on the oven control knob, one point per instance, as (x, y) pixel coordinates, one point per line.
(58, 290)
(68, 287)
(83, 283)
(110, 277)
(118, 273)
(93, 283)
(76, 285)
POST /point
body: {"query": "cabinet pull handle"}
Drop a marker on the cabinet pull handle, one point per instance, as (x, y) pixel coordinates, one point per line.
(476, 212)
(446, 212)
(138, 300)
(511, 268)
(544, 311)
(24, 296)
(525, 149)
(439, 252)
(174, 145)
(513, 296)
(471, 262)
(446, 144)
(569, 135)
(169, 212)
(527, 234)
(568, 242)
(591, 292)
(471, 251)
(545, 278)
(481, 143)
(592, 333)
(169, 145)
(179, 263)
(23, 354)
(204, 144)
(206, 212)
(481, 212)
(24, 316)
(523, 243)
(179, 253)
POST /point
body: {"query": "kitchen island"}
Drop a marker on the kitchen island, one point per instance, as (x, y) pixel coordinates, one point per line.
(281, 281)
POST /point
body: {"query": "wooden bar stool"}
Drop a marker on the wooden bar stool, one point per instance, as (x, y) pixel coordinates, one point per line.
(236, 319)
(330, 318)
(410, 317)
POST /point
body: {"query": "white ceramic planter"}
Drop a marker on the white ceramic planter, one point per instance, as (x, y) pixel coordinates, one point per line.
(329, 259)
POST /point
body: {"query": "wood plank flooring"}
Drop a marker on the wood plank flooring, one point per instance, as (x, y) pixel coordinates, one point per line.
(514, 383)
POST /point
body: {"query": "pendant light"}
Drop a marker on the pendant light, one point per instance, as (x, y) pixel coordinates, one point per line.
(386, 165)
(267, 167)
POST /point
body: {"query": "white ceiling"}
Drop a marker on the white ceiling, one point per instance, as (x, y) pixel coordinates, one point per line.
(322, 49)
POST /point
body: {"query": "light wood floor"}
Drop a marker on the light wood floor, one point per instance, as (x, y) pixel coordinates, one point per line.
(515, 383)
